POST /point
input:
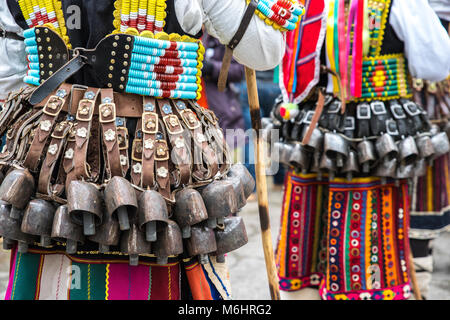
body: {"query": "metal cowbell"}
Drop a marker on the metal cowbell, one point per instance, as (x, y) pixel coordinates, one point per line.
(85, 205)
(351, 165)
(386, 169)
(425, 146)
(65, 230)
(38, 220)
(133, 243)
(408, 152)
(336, 148)
(231, 237)
(366, 155)
(220, 201)
(189, 210)
(386, 147)
(153, 213)
(300, 158)
(201, 243)
(327, 165)
(315, 141)
(10, 230)
(17, 189)
(121, 201)
(107, 234)
(169, 243)
(241, 171)
(441, 144)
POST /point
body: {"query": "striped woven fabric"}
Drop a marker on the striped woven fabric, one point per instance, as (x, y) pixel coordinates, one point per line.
(36, 276)
(301, 249)
(431, 208)
(367, 241)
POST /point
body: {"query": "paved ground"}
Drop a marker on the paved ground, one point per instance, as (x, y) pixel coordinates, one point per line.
(247, 268)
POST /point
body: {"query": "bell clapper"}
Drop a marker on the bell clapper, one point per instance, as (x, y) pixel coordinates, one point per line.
(150, 231)
(186, 232)
(339, 160)
(22, 247)
(212, 223)
(8, 244)
(366, 167)
(103, 248)
(162, 260)
(124, 222)
(45, 241)
(71, 246)
(203, 259)
(15, 213)
(220, 258)
(88, 224)
(134, 260)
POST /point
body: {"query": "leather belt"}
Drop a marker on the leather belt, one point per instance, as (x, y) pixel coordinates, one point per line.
(107, 118)
(10, 35)
(51, 112)
(248, 14)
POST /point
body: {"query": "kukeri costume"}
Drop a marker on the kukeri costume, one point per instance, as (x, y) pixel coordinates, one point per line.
(113, 172)
(345, 218)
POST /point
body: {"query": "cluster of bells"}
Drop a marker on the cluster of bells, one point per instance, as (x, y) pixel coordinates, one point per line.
(330, 152)
(203, 220)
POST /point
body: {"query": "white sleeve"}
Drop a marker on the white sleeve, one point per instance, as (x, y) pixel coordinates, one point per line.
(261, 48)
(190, 16)
(13, 62)
(427, 44)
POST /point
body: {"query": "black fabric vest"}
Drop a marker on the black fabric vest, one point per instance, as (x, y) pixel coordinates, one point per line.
(96, 22)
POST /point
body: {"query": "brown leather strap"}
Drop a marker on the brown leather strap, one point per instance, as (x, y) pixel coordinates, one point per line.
(315, 118)
(203, 153)
(150, 123)
(162, 156)
(136, 155)
(248, 15)
(122, 139)
(84, 117)
(180, 154)
(107, 118)
(56, 146)
(51, 111)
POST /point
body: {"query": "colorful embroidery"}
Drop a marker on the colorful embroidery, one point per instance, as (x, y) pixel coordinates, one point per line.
(300, 254)
(283, 15)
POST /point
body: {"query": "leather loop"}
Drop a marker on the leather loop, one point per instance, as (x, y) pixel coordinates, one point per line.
(107, 118)
(248, 14)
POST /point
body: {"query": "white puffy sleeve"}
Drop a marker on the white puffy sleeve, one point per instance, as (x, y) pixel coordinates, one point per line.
(13, 62)
(261, 48)
(427, 44)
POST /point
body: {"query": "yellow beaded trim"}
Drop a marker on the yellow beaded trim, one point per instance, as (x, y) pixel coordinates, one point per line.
(153, 10)
(379, 40)
(269, 22)
(52, 8)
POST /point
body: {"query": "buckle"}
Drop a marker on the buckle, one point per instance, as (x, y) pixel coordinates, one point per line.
(122, 137)
(349, 123)
(136, 150)
(85, 110)
(397, 111)
(53, 106)
(64, 129)
(378, 108)
(363, 111)
(391, 127)
(172, 123)
(308, 117)
(150, 122)
(190, 119)
(411, 108)
(2, 33)
(162, 150)
(107, 112)
(334, 107)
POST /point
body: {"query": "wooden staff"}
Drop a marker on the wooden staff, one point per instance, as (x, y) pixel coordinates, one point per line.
(261, 184)
(412, 274)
